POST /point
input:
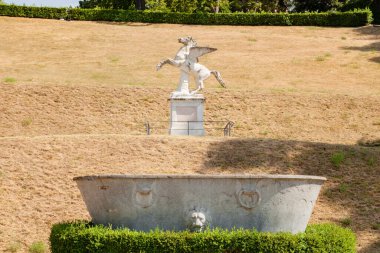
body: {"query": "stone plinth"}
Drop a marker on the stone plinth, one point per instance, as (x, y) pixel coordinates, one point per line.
(186, 114)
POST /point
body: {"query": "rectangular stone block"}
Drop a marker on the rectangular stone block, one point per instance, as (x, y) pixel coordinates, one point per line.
(186, 115)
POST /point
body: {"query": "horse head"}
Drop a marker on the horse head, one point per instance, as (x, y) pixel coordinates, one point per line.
(187, 41)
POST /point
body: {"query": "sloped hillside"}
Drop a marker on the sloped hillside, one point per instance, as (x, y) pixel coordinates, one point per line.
(37, 188)
(74, 97)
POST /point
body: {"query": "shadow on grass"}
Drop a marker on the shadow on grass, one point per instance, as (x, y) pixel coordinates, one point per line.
(352, 171)
(375, 59)
(374, 33)
(291, 156)
(369, 30)
(373, 47)
(368, 48)
(373, 248)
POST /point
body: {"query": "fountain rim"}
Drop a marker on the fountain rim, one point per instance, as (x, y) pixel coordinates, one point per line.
(198, 176)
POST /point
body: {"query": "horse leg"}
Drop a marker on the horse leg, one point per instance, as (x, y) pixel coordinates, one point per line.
(218, 77)
(200, 86)
(167, 61)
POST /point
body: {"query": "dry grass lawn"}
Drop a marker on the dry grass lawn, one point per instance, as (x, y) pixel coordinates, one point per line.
(74, 97)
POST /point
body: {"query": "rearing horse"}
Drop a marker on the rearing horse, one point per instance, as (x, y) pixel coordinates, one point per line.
(187, 60)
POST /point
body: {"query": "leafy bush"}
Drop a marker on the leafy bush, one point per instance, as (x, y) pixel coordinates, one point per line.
(217, 6)
(373, 5)
(38, 247)
(32, 12)
(190, 6)
(82, 237)
(14, 246)
(107, 4)
(258, 5)
(226, 6)
(351, 18)
(337, 158)
(156, 5)
(317, 5)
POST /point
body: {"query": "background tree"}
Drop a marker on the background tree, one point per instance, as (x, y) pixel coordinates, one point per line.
(318, 5)
(217, 6)
(274, 5)
(246, 5)
(107, 4)
(184, 5)
(374, 5)
(259, 5)
(156, 5)
(139, 4)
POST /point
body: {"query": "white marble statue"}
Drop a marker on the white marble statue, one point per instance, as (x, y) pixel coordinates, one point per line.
(187, 60)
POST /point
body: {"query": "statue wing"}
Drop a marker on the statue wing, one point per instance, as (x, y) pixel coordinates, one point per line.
(196, 52)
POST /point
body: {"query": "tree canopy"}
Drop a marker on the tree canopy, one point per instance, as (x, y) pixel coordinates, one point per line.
(215, 6)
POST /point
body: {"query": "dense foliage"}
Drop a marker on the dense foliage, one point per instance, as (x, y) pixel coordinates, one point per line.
(258, 5)
(227, 6)
(374, 5)
(82, 237)
(352, 18)
(113, 4)
(191, 6)
(107, 4)
(318, 5)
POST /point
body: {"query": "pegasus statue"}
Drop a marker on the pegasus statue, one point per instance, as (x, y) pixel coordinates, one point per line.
(187, 60)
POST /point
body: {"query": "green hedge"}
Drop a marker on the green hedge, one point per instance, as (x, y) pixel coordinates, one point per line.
(82, 237)
(32, 12)
(373, 5)
(351, 18)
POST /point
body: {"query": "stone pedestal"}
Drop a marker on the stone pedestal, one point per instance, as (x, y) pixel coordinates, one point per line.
(186, 114)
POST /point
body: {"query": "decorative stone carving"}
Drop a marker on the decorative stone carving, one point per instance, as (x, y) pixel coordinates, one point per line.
(248, 198)
(144, 196)
(187, 60)
(197, 221)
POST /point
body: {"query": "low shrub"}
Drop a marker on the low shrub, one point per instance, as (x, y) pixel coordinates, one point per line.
(32, 12)
(350, 18)
(37, 247)
(337, 158)
(84, 237)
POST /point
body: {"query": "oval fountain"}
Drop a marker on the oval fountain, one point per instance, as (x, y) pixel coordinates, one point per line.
(178, 202)
(270, 203)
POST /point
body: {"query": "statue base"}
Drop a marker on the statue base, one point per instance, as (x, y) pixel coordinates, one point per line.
(186, 114)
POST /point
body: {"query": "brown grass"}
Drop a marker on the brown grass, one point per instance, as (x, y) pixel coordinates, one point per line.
(281, 59)
(301, 98)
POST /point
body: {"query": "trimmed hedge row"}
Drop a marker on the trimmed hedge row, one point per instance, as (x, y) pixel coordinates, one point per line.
(82, 237)
(350, 18)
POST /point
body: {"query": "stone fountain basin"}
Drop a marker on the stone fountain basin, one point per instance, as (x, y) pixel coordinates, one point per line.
(271, 203)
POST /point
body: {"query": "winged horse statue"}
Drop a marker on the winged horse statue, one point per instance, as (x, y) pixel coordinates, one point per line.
(187, 60)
